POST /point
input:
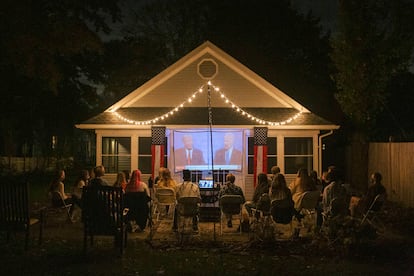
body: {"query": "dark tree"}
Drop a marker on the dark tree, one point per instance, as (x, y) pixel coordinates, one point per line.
(47, 51)
(270, 37)
(374, 42)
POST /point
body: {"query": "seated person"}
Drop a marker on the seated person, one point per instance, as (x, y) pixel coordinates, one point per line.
(261, 188)
(302, 184)
(81, 182)
(57, 186)
(334, 190)
(279, 191)
(166, 181)
(375, 188)
(231, 189)
(187, 189)
(137, 196)
(99, 172)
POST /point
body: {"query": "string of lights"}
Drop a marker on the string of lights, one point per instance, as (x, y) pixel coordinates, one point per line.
(225, 99)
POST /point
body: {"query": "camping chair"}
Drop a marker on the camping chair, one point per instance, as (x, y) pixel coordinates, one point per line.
(139, 209)
(187, 208)
(335, 218)
(58, 205)
(103, 214)
(15, 212)
(281, 211)
(230, 205)
(263, 206)
(308, 204)
(371, 215)
(164, 197)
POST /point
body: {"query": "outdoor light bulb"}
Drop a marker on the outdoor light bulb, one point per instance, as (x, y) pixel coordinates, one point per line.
(200, 90)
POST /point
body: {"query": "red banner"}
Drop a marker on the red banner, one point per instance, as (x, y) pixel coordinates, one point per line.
(260, 152)
(157, 149)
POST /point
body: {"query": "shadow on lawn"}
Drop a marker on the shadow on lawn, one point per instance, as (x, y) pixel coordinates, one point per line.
(61, 254)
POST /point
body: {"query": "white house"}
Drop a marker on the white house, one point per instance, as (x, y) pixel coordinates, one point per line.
(208, 93)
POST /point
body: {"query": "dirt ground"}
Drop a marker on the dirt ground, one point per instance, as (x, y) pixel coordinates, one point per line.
(160, 251)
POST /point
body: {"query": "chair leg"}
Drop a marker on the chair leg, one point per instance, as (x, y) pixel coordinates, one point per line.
(27, 237)
(85, 242)
(41, 222)
(221, 224)
(240, 222)
(154, 213)
(173, 211)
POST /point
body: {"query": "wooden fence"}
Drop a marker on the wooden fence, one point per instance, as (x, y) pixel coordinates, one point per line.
(395, 161)
(28, 164)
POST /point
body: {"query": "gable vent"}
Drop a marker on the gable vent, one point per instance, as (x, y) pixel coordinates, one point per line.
(207, 69)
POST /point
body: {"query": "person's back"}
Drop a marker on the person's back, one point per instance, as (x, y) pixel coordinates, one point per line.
(97, 181)
(231, 189)
(334, 191)
(137, 196)
(280, 193)
(187, 189)
(302, 183)
(166, 180)
(120, 180)
(136, 185)
(261, 188)
(376, 188)
(315, 180)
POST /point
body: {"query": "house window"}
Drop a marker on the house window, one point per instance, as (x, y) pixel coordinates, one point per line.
(116, 154)
(298, 154)
(145, 156)
(271, 153)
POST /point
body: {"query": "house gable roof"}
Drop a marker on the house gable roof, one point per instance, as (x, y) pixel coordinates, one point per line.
(179, 81)
(232, 83)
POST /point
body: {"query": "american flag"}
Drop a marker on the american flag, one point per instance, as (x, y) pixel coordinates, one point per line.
(260, 152)
(157, 149)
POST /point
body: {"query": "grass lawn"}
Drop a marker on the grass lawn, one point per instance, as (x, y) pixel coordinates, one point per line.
(61, 253)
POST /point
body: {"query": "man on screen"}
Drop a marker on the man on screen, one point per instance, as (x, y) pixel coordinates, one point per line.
(188, 155)
(228, 155)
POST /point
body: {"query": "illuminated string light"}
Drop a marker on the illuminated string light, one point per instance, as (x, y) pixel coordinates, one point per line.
(226, 100)
(250, 116)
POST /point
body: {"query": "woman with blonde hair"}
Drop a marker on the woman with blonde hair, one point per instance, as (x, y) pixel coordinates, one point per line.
(302, 183)
(166, 180)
